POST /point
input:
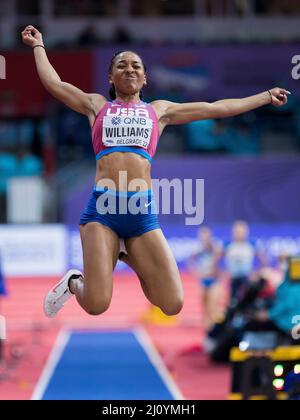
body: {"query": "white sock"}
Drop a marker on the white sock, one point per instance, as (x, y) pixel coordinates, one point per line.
(76, 285)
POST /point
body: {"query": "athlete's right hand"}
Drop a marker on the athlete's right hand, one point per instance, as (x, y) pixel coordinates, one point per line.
(31, 36)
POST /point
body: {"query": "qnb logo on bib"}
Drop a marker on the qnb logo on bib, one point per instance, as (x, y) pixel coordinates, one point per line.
(119, 130)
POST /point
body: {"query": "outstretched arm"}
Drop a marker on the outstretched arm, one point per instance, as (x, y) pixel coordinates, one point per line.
(175, 113)
(76, 99)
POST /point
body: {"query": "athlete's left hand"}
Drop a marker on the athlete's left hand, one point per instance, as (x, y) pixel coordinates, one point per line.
(279, 96)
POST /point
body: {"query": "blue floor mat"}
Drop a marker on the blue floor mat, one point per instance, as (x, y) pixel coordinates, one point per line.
(105, 366)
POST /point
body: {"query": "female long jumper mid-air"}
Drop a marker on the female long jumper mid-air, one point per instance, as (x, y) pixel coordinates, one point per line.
(148, 253)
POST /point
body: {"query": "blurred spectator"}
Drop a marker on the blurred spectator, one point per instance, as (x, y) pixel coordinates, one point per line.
(215, 136)
(223, 134)
(277, 7)
(204, 264)
(85, 8)
(240, 257)
(28, 7)
(245, 141)
(287, 7)
(275, 274)
(24, 164)
(121, 35)
(201, 136)
(261, 6)
(226, 7)
(28, 164)
(158, 7)
(72, 130)
(282, 263)
(258, 309)
(89, 37)
(280, 316)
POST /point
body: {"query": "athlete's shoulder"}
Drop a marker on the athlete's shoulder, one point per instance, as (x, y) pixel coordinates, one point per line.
(97, 99)
(97, 102)
(160, 106)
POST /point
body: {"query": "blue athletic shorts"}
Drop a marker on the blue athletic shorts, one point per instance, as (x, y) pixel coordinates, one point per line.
(128, 214)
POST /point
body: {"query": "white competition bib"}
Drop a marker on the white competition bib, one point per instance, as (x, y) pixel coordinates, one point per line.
(119, 130)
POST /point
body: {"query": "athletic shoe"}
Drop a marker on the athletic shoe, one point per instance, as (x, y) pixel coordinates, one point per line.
(60, 293)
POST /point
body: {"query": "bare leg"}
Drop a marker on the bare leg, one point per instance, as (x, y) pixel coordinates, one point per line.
(125, 258)
(213, 308)
(100, 253)
(151, 258)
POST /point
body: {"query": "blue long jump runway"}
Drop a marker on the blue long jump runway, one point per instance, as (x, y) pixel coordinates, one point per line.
(106, 366)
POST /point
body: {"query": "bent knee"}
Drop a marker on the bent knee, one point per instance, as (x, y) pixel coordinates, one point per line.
(97, 307)
(96, 310)
(172, 308)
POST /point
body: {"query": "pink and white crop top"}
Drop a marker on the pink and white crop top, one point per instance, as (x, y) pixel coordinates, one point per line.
(126, 127)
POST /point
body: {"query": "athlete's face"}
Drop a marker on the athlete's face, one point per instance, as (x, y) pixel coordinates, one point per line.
(128, 74)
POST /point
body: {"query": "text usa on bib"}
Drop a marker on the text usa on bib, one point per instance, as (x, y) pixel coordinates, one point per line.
(127, 127)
